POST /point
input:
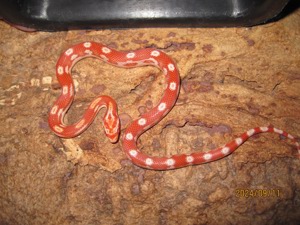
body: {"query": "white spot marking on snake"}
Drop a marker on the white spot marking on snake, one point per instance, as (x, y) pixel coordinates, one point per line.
(238, 141)
(88, 52)
(207, 156)
(162, 106)
(105, 50)
(149, 161)
(60, 70)
(69, 51)
(130, 55)
(264, 129)
(87, 44)
(133, 153)
(173, 86)
(225, 150)
(58, 129)
(65, 90)
(171, 67)
(74, 57)
(155, 53)
(142, 121)
(250, 132)
(189, 159)
(129, 136)
(170, 162)
(54, 109)
(278, 131)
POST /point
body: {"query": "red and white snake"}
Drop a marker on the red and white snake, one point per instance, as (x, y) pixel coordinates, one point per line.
(111, 122)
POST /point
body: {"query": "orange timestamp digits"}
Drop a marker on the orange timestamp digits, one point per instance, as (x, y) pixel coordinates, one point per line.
(250, 193)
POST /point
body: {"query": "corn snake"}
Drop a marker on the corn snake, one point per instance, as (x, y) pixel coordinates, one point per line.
(111, 123)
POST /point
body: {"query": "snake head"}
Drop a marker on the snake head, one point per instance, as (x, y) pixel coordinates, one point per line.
(111, 124)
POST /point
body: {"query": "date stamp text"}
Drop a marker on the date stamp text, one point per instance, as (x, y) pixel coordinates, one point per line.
(257, 193)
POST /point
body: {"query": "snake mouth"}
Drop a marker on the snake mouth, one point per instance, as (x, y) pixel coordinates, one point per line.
(113, 138)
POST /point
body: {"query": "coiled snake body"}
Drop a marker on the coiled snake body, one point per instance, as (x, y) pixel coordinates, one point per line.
(111, 122)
